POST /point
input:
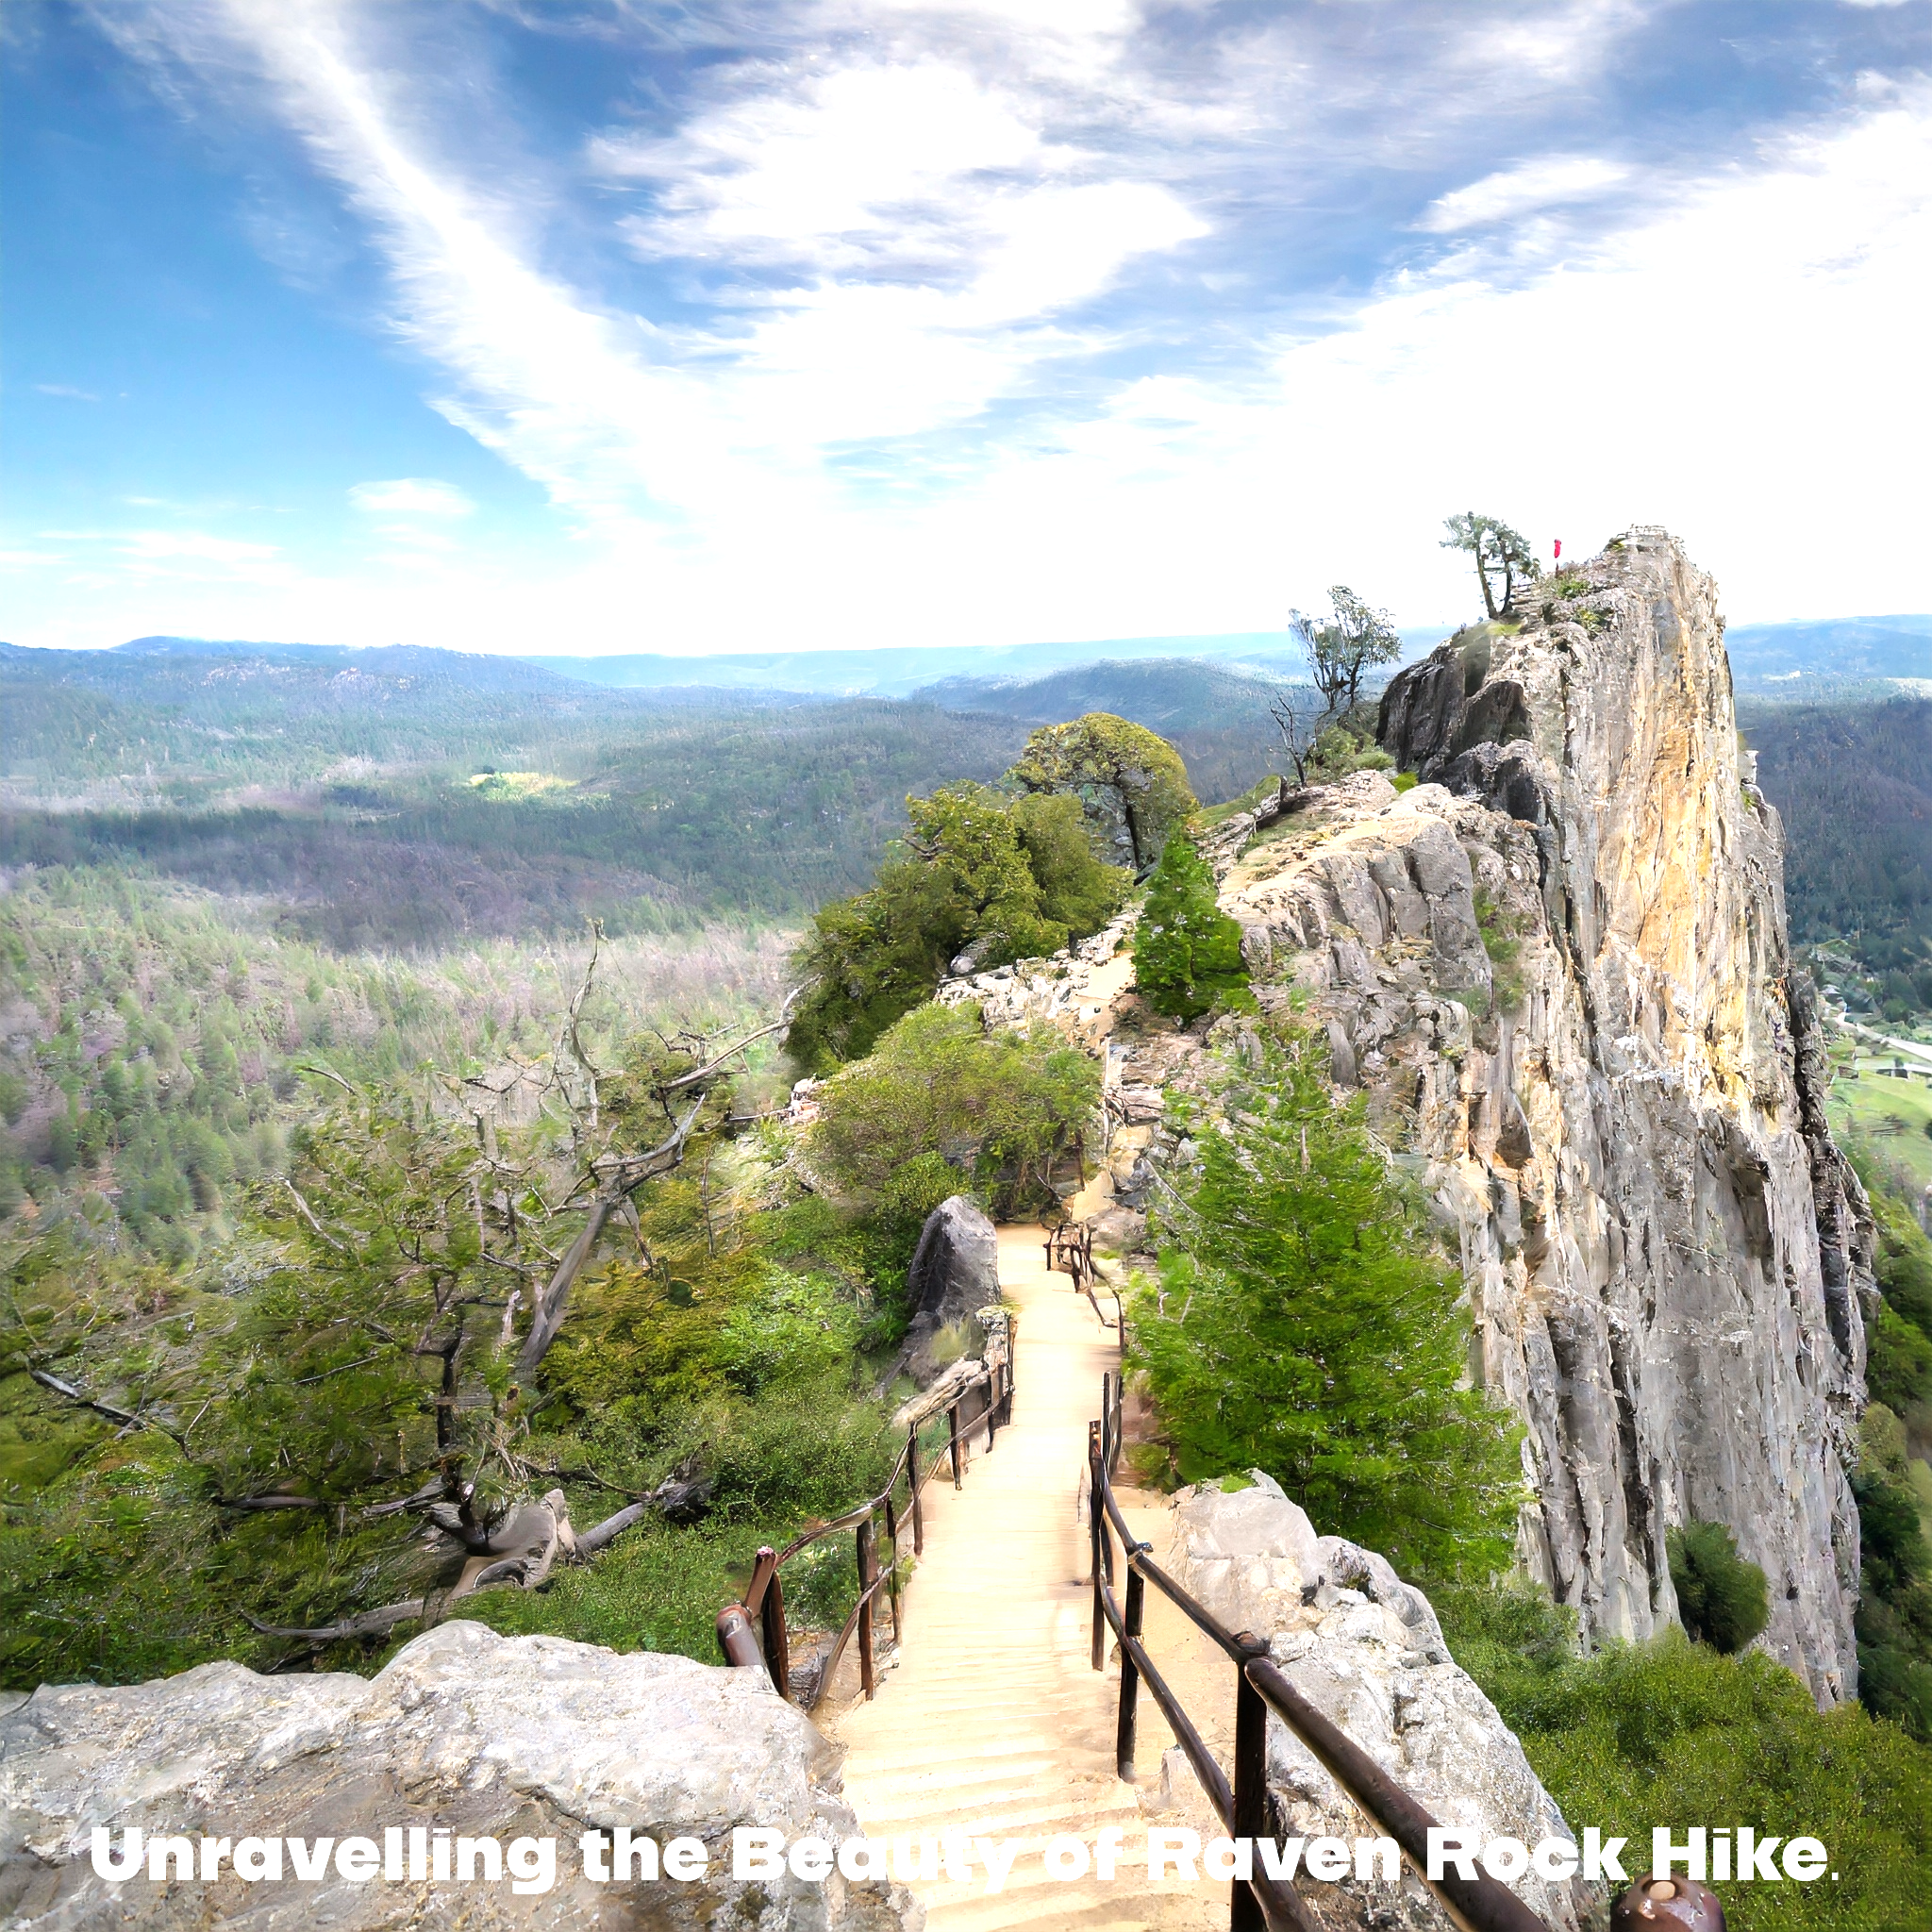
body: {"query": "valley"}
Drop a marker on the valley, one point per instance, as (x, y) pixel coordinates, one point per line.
(336, 992)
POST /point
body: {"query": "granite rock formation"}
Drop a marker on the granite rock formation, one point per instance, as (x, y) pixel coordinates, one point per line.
(501, 1736)
(1558, 968)
(954, 1273)
(1366, 1649)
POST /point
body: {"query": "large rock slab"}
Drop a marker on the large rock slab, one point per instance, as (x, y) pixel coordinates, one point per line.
(1366, 1649)
(503, 1737)
(954, 1273)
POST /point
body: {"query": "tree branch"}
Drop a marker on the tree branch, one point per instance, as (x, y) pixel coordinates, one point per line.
(623, 1178)
(712, 1066)
(368, 1624)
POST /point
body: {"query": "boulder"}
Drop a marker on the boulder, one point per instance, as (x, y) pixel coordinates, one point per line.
(954, 1273)
(1367, 1650)
(494, 1736)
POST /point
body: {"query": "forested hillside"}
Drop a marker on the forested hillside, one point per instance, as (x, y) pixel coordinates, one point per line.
(648, 823)
(1854, 786)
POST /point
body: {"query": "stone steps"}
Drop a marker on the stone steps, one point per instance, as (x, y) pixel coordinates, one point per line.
(992, 1722)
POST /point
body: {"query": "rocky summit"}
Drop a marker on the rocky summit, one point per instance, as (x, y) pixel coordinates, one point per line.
(1558, 967)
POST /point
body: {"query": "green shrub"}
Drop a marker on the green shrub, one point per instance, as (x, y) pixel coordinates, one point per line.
(979, 871)
(1002, 1108)
(1675, 1733)
(1497, 928)
(1186, 951)
(1721, 1597)
(1304, 1324)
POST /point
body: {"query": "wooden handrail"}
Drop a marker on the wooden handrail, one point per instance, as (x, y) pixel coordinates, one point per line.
(1479, 1905)
(752, 1632)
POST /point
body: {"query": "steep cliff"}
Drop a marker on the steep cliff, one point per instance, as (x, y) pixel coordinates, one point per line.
(1558, 967)
(1666, 1253)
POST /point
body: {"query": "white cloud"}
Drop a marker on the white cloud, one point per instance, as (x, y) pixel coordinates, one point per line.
(1548, 182)
(411, 496)
(896, 419)
(61, 388)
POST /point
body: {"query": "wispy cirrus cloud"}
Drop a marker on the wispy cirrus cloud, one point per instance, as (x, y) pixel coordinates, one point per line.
(1007, 320)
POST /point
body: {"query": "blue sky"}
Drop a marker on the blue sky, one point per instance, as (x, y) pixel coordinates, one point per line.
(596, 325)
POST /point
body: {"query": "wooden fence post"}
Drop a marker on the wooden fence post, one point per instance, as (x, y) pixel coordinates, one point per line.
(892, 1563)
(1130, 1675)
(913, 1476)
(1096, 1519)
(735, 1639)
(958, 1462)
(1250, 1782)
(777, 1646)
(868, 1575)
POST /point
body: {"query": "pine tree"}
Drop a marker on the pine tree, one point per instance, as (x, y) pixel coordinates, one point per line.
(1186, 951)
(1303, 1326)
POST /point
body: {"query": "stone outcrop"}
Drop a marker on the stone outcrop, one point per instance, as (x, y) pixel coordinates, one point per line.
(1558, 968)
(492, 1736)
(1366, 1649)
(1667, 1255)
(954, 1273)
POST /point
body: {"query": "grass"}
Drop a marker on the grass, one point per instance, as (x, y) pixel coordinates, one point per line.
(1891, 1115)
(1669, 1732)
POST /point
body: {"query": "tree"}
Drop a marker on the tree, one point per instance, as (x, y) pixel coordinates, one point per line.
(1002, 1108)
(1186, 951)
(1342, 647)
(1721, 1597)
(1304, 1324)
(981, 874)
(1131, 783)
(357, 1413)
(1498, 550)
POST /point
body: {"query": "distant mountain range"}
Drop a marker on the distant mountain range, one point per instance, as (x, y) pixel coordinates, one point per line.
(1833, 648)
(1014, 680)
(898, 672)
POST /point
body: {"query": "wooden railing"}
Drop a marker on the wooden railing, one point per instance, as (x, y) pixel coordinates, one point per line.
(1478, 1905)
(752, 1632)
(1069, 1246)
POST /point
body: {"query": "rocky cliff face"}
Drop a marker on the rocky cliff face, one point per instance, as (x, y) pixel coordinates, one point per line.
(1558, 968)
(1667, 1255)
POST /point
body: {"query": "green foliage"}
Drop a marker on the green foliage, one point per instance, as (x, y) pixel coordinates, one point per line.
(1498, 931)
(979, 870)
(271, 1426)
(1894, 1621)
(1721, 1597)
(1303, 1324)
(1131, 783)
(1004, 1108)
(1498, 551)
(1077, 890)
(1852, 784)
(663, 811)
(1898, 1369)
(170, 1032)
(1186, 951)
(1671, 1732)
